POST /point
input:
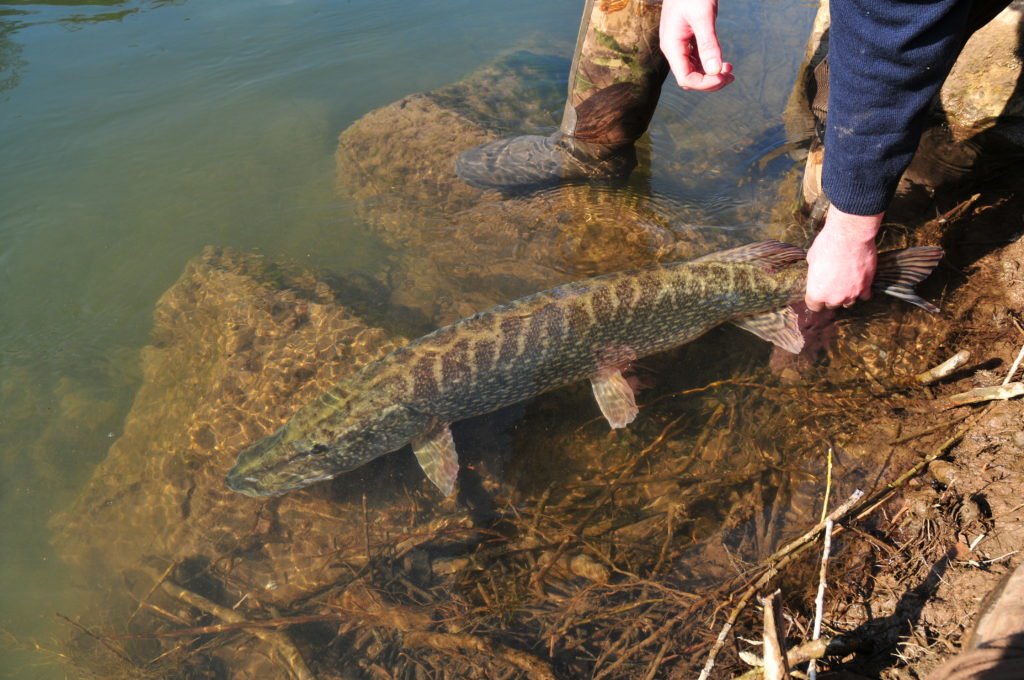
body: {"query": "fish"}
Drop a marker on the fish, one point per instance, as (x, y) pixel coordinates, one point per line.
(584, 330)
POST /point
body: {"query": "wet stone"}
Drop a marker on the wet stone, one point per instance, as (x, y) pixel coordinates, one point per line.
(224, 319)
(459, 249)
(991, 57)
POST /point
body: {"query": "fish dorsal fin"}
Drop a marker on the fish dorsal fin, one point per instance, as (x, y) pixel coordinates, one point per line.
(435, 450)
(771, 253)
(780, 328)
(614, 398)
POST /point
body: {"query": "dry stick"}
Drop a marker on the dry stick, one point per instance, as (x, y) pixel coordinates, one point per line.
(784, 556)
(1016, 365)
(982, 394)
(944, 369)
(149, 594)
(119, 653)
(289, 654)
(816, 649)
(653, 669)
(213, 629)
(819, 601)
(775, 666)
(828, 486)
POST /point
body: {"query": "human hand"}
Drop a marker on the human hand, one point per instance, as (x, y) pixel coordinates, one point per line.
(690, 44)
(842, 260)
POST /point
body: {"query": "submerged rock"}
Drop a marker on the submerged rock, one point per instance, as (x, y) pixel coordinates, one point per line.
(983, 89)
(460, 249)
(238, 345)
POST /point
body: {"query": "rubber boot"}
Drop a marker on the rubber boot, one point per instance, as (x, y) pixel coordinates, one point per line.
(614, 84)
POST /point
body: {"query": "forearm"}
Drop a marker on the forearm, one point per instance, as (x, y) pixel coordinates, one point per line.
(887, 61)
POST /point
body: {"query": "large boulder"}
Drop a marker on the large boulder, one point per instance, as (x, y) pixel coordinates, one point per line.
(460, 249)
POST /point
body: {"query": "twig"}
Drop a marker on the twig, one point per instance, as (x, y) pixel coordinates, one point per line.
(152, 589)
(1014, 367)
(944, 369)
(282, 622)
(819, 601)
(775, 666)
(828, 486)
(290, 656)
(103, 641)
(814, 649)
(983, 394)
(782, 557)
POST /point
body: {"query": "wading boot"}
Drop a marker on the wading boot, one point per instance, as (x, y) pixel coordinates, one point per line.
(614, 83)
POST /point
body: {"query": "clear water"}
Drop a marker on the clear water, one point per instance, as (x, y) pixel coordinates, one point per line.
(132, 134)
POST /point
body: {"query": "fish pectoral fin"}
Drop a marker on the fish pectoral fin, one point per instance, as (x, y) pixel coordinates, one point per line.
(615, 398)
(779, 328)
(435, 450)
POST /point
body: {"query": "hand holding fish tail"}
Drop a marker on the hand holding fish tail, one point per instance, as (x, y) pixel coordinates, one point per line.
(842, 260)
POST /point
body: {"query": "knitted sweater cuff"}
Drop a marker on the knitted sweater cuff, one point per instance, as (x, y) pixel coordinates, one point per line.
(857, 197)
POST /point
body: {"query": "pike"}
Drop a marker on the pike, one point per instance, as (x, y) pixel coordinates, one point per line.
(586, 330)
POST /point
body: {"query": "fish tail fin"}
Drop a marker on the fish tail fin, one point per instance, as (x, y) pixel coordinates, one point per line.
(900, 270)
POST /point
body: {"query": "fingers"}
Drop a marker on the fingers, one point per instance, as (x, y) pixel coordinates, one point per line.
(690, 44)
(705, 83)
(706, 41)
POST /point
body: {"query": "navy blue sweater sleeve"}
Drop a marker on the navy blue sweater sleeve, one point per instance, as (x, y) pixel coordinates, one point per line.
(887, 60)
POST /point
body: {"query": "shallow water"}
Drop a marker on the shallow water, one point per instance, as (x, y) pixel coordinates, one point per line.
(134, 134)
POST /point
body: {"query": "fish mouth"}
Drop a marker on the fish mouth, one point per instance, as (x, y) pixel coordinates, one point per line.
(250, 473)
(272, 468)
(248, 486)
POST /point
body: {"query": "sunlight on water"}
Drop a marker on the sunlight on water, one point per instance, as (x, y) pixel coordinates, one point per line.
(132, 135)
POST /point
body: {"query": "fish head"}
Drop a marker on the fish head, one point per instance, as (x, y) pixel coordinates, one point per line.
(322, 441)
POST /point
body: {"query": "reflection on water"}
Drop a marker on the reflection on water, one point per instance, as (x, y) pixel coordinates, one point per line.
(152, 130)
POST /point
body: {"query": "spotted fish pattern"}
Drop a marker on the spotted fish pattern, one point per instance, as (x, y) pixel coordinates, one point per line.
(590, 329)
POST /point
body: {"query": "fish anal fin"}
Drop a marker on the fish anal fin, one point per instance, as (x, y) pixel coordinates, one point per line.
(779, 327)
(435, 450)
(615, 398)
(769, 253)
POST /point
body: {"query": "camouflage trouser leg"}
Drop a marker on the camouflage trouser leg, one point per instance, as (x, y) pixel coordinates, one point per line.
(617, 73)
(614, 84)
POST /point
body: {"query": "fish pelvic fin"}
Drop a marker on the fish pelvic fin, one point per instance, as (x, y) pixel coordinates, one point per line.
(435, 451)
(774, 254)
(615, 398)
(900, 270)
(780, 327)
